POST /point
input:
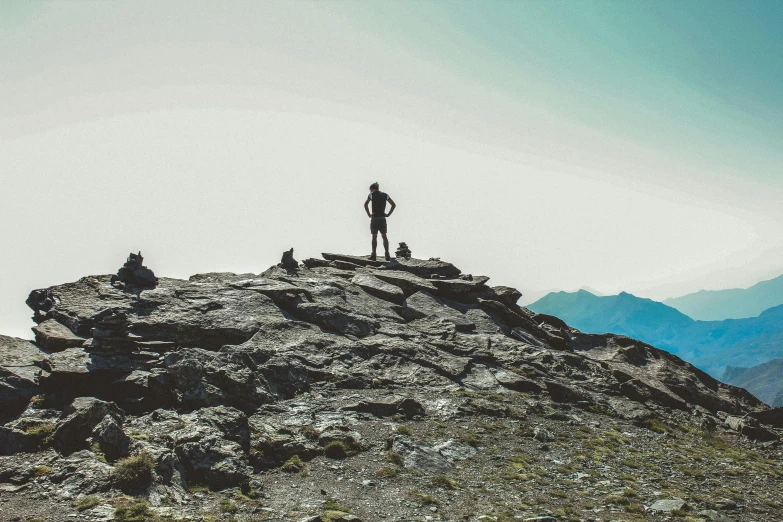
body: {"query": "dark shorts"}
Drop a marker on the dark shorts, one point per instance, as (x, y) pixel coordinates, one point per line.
(378, 225)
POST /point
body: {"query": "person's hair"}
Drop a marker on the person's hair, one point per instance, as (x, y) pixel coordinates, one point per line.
(374, 186)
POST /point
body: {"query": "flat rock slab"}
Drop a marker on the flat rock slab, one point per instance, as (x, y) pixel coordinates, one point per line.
(15, 352)
(431, 459)
(76, 361)
(356, 260)
(423, 305)
(424, 268)
(77, 304)
(668, 505)
(55, 337)
(772, 417)
(409, 283)
(457, 287)
(269, 287)
(220, 277)
(374, 286)
(507, 295)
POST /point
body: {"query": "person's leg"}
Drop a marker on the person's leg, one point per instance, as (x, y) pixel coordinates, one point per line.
(385, 245)
(374, 245)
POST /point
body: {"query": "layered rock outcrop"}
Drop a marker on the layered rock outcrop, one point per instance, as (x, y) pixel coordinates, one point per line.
(193, 372)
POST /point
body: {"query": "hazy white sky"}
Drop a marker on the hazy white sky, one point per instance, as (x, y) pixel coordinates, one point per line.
(546, 148)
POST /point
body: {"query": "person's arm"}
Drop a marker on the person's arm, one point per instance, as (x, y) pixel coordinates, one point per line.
(367, 207)
(393, 206)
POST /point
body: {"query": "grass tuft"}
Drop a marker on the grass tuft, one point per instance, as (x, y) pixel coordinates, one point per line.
(40, 471)
(444, 481)
(87, 503)
(42, 432)
(227, 506)
(336, 450)
(293, 465)
(135, 471)
(133, 510)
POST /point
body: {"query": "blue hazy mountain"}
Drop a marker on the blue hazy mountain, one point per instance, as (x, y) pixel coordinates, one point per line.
(765, 381)
(709, 345)
(735, 303)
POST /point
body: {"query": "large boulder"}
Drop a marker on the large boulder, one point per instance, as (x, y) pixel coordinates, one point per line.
(76, 305)
(18, 374)
(272, 446)
(424, 268)
(75, 372)
(13, 441)
(54, 336)
(203, 378)
(210, 451)
(80, 473)
(111, 438)
(83, 416)
(202, 313)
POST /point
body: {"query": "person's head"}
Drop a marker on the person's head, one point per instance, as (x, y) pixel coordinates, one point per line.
(374, 187)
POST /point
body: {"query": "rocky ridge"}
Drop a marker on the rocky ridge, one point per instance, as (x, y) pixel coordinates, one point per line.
(344, 388)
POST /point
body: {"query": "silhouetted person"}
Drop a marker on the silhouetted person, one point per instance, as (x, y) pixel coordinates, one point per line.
(378, 217)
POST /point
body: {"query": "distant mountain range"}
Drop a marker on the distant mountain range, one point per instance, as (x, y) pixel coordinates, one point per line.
(709, 345)
(765, 381)
(736, 303)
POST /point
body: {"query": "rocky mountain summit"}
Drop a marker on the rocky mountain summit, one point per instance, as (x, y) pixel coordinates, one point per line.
(348, 389)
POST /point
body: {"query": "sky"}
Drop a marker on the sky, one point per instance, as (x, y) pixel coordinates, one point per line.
(622, 146)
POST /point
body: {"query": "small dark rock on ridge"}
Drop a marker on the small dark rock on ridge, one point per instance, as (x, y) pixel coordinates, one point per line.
(288, 262)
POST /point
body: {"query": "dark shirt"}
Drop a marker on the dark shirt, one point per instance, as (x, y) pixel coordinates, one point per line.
(378, 199)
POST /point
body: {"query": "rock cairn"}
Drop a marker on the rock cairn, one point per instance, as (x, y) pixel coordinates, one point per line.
(133, 272)
(403, 251)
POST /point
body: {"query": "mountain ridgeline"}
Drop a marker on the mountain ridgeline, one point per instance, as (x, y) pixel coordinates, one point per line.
(765, 381)
(734, 303)
(709, 345)
(358, 390)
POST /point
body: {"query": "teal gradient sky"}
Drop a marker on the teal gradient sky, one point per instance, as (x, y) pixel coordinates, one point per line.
(619, 145)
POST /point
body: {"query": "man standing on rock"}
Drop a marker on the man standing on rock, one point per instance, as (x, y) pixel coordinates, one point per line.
(378, 217)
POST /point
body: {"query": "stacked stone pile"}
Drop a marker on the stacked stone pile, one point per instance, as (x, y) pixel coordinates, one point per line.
(403, 251)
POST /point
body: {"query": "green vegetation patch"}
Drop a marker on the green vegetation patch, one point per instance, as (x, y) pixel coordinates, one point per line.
(470, 438)
(133, 510)
(42, 432)
(40, 471)
(655, 424)
(394, 458)
(387, 472)
(38, 401)
(444, 481)
(87, 503)
(421, 498)
(96, 448)
(227, 506)
(338, 449)
(293, 465)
